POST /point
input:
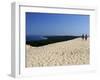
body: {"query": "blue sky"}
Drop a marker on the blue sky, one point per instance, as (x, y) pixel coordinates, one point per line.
(56, 24)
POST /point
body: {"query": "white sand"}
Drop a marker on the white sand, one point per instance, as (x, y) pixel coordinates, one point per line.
(70, 52)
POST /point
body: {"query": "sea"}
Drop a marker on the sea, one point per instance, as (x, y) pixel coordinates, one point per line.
(35, 38)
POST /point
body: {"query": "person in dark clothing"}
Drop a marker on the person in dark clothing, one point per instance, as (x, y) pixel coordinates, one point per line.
(82, 36)
(86, 37)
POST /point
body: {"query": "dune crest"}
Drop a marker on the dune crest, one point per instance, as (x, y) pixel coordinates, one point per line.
(72, 52)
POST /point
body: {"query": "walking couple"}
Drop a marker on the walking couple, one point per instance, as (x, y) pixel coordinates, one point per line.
(84, 37)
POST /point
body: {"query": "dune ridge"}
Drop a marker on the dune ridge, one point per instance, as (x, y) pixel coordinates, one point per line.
(72, 52)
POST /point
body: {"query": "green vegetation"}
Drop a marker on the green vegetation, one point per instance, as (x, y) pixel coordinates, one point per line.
(51, 39)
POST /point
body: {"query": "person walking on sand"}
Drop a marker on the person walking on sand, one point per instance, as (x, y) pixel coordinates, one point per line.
(86, 37)
(82, 36)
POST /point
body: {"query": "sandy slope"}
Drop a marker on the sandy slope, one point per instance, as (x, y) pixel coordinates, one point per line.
(70, 52)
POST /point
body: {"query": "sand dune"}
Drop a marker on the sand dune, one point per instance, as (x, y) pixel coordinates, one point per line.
(70, 52)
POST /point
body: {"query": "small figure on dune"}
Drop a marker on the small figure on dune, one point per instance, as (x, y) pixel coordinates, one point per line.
(82, 36)
(86, 37)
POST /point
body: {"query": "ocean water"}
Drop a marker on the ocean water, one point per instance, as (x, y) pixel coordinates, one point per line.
(35, 38)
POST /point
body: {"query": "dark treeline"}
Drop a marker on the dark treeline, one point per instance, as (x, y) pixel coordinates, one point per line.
(51, 39)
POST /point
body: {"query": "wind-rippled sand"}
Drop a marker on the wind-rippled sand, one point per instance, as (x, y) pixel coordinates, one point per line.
(72, 52)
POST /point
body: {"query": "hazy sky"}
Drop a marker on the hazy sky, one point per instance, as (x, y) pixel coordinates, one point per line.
(56, 24)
